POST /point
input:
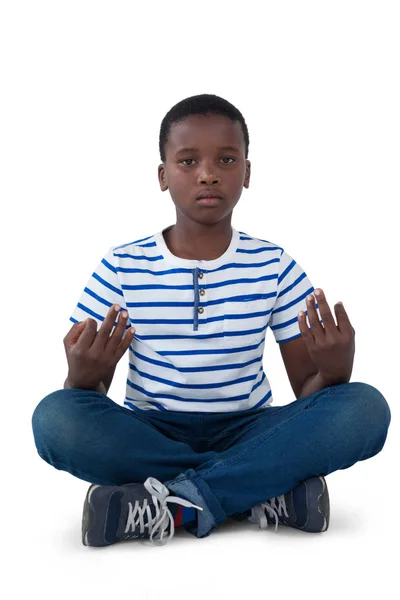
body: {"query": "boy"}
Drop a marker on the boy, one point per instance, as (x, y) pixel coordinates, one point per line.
(197, 440)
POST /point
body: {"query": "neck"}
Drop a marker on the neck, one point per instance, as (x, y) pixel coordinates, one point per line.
(196, 241)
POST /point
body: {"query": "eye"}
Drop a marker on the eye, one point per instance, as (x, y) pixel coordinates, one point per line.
(225, 163)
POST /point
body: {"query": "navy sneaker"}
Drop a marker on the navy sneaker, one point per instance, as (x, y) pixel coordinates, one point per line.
(113, 513)
(306, 507)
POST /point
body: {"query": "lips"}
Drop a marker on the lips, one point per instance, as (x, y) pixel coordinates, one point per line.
(208, 194)
(209, 201)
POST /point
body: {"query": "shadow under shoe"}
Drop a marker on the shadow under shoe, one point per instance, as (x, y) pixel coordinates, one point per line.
(306, 507)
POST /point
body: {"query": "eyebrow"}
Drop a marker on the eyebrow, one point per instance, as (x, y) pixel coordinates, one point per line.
(233, 148)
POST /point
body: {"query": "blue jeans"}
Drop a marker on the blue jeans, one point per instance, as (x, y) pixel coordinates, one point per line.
(224, 462)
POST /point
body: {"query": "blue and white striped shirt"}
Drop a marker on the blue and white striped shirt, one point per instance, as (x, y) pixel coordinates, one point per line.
(200, 324)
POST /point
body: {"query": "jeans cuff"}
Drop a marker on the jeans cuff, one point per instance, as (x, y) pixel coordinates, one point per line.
(193, 488)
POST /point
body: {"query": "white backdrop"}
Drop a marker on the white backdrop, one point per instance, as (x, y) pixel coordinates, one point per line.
(85, 86)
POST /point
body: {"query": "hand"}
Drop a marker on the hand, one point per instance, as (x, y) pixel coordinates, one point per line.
(91, 354)
(331, 347)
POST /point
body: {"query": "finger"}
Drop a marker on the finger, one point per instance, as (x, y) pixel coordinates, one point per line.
(305, 331)
(115, 339)
(125, 343)
(325, 312)
(88, 334)
(103, 334)
(343, 320)
(316, 327)
(74, 333)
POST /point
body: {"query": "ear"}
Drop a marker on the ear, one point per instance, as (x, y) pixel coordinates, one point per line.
(246, 183)
(162, 177)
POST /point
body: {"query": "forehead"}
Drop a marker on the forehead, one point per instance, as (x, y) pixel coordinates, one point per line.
(205, 132)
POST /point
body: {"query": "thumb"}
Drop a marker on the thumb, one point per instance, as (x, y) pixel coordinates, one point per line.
(76, 332)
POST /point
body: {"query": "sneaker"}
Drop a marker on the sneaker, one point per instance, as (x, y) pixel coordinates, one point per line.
(113, 513)
(305, 507)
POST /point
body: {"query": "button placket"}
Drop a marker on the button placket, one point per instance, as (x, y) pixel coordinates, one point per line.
(197, 274)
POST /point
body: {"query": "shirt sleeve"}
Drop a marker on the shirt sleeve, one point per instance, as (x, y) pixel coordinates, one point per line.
(293, 287)
(102, 290)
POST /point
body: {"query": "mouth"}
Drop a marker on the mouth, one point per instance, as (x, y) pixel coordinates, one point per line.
(209, 198)
(211, 201)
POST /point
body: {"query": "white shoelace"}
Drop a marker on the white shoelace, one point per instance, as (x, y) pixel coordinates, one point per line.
(163, 517)
(274, 506)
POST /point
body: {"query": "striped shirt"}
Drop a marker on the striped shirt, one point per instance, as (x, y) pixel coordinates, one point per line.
(200, 324)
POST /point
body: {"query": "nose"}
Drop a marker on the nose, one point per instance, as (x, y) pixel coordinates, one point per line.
(208, 179)
(207, 175)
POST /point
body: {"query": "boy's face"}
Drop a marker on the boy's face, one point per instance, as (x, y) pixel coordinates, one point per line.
(211, 167)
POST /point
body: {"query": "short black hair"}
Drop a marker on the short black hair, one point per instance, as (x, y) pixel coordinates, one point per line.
(203, 104)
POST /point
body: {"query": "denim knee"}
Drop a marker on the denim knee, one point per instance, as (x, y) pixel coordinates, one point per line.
(51, 420)
(371, 407)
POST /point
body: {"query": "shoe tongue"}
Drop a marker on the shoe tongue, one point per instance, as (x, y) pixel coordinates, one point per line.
(278, 508)
(126, 501)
